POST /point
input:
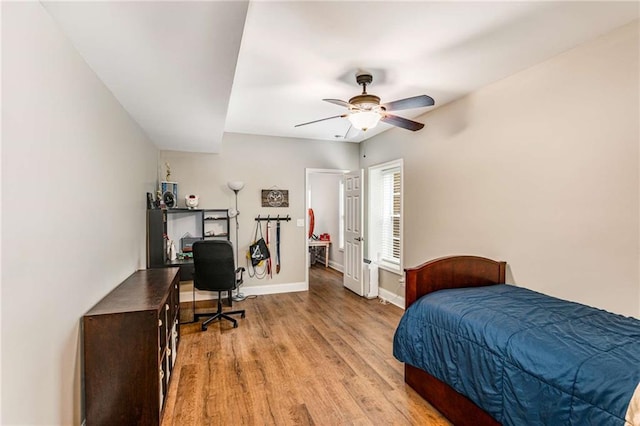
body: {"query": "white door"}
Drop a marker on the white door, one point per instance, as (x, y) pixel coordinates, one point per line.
(353, 253)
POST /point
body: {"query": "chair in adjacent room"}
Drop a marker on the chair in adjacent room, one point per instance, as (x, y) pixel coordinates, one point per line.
(214, 270)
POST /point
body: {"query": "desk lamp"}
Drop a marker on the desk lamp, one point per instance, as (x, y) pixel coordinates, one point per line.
(236, 186)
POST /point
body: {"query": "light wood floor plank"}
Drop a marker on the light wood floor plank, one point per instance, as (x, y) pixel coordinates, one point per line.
(322, 357)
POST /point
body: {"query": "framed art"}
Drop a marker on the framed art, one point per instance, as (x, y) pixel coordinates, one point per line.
(275, 197)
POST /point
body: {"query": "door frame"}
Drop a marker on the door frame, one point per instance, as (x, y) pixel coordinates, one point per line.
(307, 174)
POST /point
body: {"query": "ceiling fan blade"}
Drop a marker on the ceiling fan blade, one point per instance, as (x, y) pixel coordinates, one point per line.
(408, 103)
(322, 119)
(394, 120)
(338, 102)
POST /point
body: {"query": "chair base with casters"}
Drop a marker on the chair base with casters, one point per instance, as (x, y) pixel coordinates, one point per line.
(219, 315)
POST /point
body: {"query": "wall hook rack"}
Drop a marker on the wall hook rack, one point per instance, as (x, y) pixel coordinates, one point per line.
(275, 219)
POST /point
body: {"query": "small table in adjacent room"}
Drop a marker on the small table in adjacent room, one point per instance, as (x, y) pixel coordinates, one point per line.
(319, 244)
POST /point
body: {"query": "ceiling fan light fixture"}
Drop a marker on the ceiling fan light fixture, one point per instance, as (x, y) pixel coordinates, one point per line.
(364, 120)
(365, 109)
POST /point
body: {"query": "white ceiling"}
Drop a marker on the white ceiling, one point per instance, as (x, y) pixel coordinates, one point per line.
(189, 71)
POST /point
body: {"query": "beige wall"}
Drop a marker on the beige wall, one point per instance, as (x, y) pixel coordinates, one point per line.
(75, 169)
(540, 169)
(261, 162)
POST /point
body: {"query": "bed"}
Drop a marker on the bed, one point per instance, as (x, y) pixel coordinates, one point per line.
(486, 353)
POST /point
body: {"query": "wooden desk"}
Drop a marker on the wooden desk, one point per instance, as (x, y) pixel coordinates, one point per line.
(186, 268)
(325, 244)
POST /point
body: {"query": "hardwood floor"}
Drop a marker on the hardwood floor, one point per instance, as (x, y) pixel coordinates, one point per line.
(322, 357)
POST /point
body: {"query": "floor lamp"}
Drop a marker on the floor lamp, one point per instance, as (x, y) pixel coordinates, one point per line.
(236, 186)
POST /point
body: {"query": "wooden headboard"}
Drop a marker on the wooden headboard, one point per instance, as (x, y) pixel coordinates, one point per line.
(452, 272)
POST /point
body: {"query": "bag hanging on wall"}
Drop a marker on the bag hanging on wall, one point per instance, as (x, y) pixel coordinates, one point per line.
(258, 251)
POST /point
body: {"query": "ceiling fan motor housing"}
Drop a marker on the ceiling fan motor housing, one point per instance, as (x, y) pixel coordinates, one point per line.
(365, 102)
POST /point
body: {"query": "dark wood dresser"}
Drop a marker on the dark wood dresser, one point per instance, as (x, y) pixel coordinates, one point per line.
(131, 342)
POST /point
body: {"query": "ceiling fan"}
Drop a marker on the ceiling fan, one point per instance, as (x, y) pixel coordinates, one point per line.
(365, 110)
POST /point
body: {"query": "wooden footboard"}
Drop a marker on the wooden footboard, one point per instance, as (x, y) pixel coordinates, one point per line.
(440, 274)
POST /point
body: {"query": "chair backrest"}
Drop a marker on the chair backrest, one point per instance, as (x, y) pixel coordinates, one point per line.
(214, 265)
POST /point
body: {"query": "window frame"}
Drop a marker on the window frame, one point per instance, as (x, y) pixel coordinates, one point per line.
(376, 213)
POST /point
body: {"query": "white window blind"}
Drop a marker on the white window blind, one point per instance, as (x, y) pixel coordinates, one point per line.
(390, 238)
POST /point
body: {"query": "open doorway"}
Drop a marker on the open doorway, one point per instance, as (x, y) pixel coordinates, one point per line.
(324, 197)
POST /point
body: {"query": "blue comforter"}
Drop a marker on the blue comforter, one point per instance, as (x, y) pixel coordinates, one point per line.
(524, 357)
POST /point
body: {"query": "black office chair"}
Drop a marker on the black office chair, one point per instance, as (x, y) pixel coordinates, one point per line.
(214, 270)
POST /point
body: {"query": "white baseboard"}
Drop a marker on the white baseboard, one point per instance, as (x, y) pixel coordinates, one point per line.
(390, 297)
(256, 290)
(186, 290)
(273, 288)
(336, 266)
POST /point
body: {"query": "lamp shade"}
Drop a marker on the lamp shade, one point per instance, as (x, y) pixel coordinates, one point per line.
(235, 185)
(364, 120)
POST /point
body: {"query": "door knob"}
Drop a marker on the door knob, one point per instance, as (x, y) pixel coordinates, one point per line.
(359, 239)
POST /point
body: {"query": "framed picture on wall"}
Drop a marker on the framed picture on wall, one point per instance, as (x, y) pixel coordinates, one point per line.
(275, 197)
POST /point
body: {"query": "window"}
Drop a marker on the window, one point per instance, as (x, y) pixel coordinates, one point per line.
(385, 215)
(341, 215)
